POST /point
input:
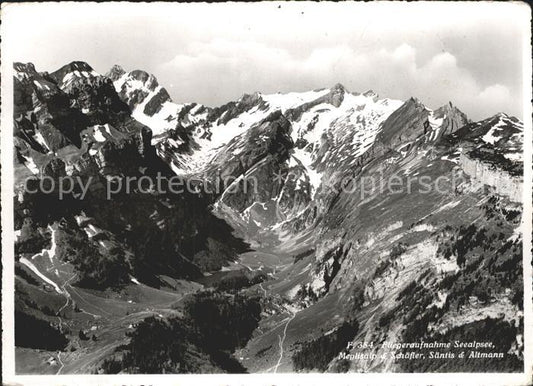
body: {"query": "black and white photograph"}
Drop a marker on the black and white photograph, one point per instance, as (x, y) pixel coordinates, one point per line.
(296, 190)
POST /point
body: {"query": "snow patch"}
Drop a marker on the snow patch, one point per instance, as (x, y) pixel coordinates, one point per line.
(30, 164)
(491, 136)
(35, 270)
(292, 99)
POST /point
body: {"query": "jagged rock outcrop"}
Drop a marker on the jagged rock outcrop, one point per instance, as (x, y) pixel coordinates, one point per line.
(105, 142)
(453, 119)
(154, 105)
(115, 72)
(405, 125)
(413, 123)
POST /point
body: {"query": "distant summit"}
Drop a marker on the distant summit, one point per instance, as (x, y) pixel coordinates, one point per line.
(115, 72)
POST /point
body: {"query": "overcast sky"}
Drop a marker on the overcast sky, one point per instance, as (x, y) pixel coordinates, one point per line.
(470, 54)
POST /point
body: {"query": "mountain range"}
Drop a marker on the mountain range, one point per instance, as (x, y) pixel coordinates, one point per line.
(294, 252)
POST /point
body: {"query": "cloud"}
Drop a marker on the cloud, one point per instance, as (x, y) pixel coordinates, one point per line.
(212, 53)
(221, 70)
(496, 97)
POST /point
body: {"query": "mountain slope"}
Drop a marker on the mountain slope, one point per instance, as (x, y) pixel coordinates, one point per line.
(106, 265)
(327, 217)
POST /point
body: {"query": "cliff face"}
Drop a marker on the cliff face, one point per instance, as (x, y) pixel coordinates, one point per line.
(486, 174)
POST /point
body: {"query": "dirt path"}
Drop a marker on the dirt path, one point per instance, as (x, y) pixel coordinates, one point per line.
(263, 289)
(61, 362)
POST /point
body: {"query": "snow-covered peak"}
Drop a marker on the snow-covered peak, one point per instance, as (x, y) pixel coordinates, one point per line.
(135, 82)
(140, 79)
(301, 101)
(115, 72)
(76, 66)
(504, 119)
(347, 122)
(329, 136)
(494, 134)
(73, 73)
(292, 100)
(499, 135)
(500, 127)
(151, 104)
